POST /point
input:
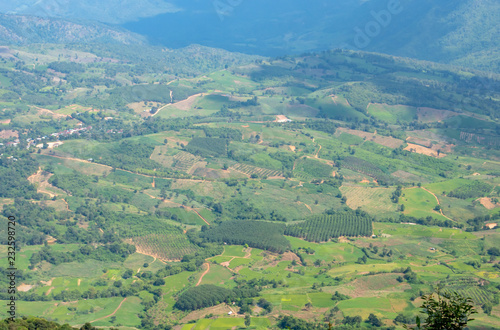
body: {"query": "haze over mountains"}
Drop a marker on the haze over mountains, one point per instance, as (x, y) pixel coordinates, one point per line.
(460, 32)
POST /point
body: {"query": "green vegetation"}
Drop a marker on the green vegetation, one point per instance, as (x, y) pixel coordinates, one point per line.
(208, 147)
(474, 189)
(325, 227)
(329, 217)
(258, 234)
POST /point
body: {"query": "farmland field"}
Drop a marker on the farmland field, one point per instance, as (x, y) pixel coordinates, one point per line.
(281, 191)
(164, 246)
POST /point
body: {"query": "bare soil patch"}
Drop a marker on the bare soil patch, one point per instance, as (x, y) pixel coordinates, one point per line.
(8, 133)
(41, 179)
(488, 203)
(387, 141)
(5, 121)
(24, 287)
(281, 119)
(406, 176)
(424, 151)
(290, 256)
(188, 103)
(221, 310)
(431, 115)
(47, 112)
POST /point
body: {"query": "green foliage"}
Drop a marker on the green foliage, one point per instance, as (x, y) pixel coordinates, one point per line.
(446, 311)
(257, 234)
(14, 171)
(313, 167)
(325, 227)
(67, 67)
(207, 295)
(339, 296)
(108, 252)
(474, 189)
(367, 168)
(38, 323)
(290, 322)
(223, 133)
(208, 147)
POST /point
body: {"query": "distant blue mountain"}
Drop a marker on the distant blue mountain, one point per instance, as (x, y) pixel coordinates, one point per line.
(463, 32)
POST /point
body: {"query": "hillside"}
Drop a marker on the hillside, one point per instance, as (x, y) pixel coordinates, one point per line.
(200, 189)
(460, 32)
(16, 29)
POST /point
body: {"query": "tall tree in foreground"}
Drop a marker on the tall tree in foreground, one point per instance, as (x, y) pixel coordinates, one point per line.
(445, 311)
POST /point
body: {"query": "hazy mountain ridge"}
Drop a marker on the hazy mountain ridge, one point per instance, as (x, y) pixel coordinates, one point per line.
(16, 29)
(109, 11)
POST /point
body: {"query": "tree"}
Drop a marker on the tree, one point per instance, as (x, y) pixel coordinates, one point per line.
(494, 251)
(248, 320)
(374, 320)
(448, 311)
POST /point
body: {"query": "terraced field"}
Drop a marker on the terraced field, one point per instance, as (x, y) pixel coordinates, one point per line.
(184, 161)
(261, 172)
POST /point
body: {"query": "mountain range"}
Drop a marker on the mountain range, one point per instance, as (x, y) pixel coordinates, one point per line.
(459, 32)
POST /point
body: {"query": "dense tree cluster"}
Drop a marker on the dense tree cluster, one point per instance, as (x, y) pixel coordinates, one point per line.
(210, 295)
(325, 227)
(66, 67)
(14, 170)
(203, 296)
(223, 133)
(257, 234)
(474, 189)
(108, 252)
(208, 147)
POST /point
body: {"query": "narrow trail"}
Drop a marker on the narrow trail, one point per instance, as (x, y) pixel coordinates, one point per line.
(202, 218)
(116, 310)
(185, 207)
(317, 153)
(204, 273)
(226, 264)
(67, 205)
(439, 203)
(308, 207)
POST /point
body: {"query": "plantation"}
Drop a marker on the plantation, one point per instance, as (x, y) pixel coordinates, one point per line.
(313, 168)
(253, 170)
(183, 161)
(208, 147)
(257, 234)
(364, 167)
(470, 287)
(325, 227)
(167, 246)
(474, 189)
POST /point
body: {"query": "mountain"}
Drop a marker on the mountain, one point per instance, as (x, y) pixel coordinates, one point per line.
(109, 11)
(461, 32)
(16, 29)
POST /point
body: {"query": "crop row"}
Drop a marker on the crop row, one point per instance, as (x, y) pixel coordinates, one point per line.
(261, 172)
(184, 161)
(165, 246)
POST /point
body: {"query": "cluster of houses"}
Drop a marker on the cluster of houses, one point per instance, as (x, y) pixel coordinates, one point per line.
(38, 142)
